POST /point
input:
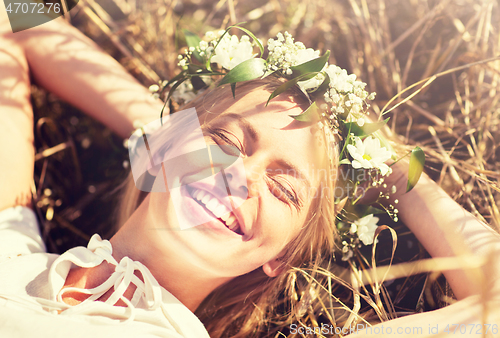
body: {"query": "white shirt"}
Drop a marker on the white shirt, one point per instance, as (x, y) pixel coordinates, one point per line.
(31, 281)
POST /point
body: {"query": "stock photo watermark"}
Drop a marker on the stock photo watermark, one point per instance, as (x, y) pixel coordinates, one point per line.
(467, 330)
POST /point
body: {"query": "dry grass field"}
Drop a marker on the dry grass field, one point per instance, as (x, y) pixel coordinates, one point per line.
(433, 64)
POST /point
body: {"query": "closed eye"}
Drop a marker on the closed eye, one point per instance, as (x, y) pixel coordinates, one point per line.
(231, 145)
(224, 140)
(283, 193)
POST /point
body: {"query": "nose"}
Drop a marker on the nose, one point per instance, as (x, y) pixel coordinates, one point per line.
(244, 176)
(235, 179)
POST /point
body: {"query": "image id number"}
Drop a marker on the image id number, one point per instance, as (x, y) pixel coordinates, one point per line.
(40, 8)
(471, 328)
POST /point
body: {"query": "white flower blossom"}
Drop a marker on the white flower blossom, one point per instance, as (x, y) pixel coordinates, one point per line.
(184, 92)
(345, 96)
(346, 91)
(285, 53)
(346, 253)
(154, 88)
(353, 229)
(183, 63)
(369, 154)
(230, 51)
(365, 227)
(210, 35)
(311, 84)
(203, 45)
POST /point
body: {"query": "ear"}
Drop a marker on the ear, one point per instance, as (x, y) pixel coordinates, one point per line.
(273, 268)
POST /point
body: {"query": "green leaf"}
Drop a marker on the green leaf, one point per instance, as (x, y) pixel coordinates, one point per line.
(233, 89)
(375, 211)
(366, 129)
(312, 66)
(176, 78)
(245, 71)
(311, 114)
(171, 91)
(193, 40)
(195, 69)
(344, 161)
(417, 161)
(198, 83)
(320, 91)
(289, 84)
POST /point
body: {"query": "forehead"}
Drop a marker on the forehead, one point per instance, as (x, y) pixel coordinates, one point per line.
(271, 129)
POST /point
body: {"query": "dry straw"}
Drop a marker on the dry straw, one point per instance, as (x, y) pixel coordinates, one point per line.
(433, 64)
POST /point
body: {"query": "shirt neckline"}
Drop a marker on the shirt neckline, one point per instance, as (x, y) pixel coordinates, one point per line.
(149, 294)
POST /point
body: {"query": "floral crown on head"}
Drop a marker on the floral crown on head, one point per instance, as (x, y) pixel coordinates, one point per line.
(338, 104)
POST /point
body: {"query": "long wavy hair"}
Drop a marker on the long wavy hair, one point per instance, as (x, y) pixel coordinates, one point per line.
(255, 305)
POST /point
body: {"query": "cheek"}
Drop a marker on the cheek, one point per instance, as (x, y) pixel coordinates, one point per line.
(162, 211)
(282, 224)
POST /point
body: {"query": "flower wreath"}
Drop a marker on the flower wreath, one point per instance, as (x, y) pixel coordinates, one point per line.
(339, 102)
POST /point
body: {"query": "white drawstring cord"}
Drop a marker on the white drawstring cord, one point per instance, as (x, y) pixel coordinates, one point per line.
(149, 291)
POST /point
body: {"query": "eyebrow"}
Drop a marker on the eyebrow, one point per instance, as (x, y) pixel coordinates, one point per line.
(253, 134)
(288, 166)
(244, 124)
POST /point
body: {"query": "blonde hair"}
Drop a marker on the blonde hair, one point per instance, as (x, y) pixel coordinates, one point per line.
(248, 305)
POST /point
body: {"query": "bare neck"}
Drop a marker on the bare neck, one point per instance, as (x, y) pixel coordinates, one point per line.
(189, 285)
(190, 288)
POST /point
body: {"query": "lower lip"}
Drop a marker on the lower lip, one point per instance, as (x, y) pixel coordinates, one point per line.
(196, 212)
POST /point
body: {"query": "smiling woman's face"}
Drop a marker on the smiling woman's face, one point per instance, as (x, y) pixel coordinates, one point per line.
(271, 191)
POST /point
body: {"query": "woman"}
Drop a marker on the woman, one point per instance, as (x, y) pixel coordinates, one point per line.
(190, 265)
(263, 221)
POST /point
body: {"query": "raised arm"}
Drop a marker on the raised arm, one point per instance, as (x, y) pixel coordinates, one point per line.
(445, 229)
(65, 62)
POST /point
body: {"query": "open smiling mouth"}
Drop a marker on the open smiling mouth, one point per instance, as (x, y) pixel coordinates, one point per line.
(217, 209)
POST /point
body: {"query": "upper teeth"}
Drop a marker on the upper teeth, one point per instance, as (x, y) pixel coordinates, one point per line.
(216, 207)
